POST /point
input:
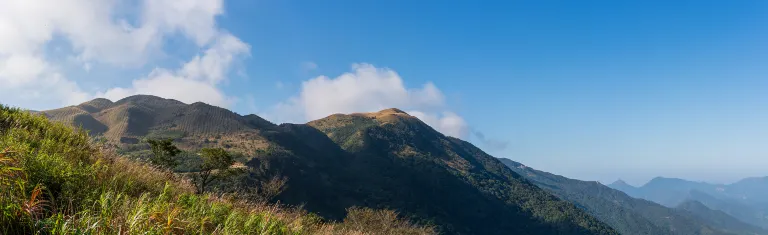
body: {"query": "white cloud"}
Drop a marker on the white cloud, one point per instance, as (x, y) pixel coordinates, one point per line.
(448, 123)
(27, 80)
(214, 65)
(97, 33)
(124, 34)
(194, 81)
(168, 84)
(365, 89)
(368, 89)
(20, 70)
(195, 18)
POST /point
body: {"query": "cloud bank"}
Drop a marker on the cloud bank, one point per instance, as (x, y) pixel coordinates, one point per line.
(127, 35)
(117, 33)
(367, 88)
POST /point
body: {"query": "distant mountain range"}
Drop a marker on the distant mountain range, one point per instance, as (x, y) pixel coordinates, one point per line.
(631, 215)
(389, 159)
(718, 219)
(386, 159)
(746, 200)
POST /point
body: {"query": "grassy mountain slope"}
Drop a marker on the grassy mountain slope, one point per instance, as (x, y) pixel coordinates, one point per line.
(414, 168)
(718, 219)
(196, 125)
(384, 160)
(53, 180)
(626, 214)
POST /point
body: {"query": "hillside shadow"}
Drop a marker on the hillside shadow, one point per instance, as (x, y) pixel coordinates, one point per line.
(325, 179)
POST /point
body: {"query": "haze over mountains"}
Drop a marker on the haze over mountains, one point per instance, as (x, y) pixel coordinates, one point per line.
(630, 215)
(390, 159)
(746, 200)
(383, 117)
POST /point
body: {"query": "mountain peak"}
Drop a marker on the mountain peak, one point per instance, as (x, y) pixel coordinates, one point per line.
(148, 99)
(96, 105)
(663, 179)
(619, 182)
(391, 111)
(384, 113)
(352, 156)
(622, 185)
(391, 115)
(98, 101)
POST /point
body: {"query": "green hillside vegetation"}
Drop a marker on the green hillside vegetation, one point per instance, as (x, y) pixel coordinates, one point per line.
(626, 214)
(414, 168)
(53, 180)
(387, 160)
(718, 218)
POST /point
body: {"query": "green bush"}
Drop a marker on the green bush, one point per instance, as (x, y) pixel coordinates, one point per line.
(53, 180)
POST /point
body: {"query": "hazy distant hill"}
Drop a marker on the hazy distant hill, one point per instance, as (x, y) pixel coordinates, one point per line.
(670, 191)
(387, 159)
(624, 187)
(746, 200)
(718, 218)
(626, 214)
(754, 190)
(752, 213)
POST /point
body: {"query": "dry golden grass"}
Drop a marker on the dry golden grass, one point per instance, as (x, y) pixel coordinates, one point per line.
(56, 181)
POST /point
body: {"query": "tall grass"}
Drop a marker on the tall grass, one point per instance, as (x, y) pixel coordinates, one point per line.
(53, 180)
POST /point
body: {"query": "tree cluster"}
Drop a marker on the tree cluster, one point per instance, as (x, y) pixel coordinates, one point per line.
(216, 165)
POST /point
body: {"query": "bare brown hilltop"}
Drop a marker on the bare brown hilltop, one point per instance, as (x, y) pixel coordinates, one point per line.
(385, 159)
(129, 120)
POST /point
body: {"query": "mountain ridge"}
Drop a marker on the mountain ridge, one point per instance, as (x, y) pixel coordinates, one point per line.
(385, 159)
(627, 214)
(718, 218)
(746, 199)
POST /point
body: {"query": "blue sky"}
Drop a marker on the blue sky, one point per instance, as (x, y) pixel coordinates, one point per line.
(594, 90)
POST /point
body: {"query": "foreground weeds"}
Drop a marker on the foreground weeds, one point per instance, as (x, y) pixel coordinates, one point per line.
(53, 180)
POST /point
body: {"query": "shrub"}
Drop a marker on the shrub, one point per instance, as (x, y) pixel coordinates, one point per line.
(53, 180)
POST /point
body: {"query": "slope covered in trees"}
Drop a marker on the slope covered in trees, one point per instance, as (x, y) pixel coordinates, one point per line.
(383, 160)
(53, 180)
(626, 214)
(417, 169)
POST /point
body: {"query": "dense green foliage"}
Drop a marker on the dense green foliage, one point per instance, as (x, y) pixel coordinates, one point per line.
(626, 214)
(405, 164)
(54, 181)
(214, 165)
(164, 153)
(385, 160)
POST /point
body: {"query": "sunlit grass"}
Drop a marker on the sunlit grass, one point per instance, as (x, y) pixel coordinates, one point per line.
(53, 180)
